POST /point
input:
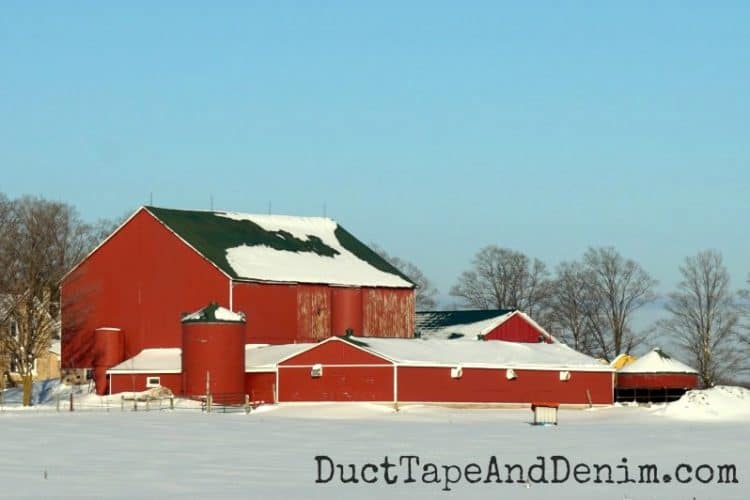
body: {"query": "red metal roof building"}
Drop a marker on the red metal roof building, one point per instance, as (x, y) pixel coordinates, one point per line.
(298, 279)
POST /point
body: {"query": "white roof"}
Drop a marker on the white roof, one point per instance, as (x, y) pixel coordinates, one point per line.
(167, 360)
(261, 262)
(267, 357)
(495, 353)
(656, 362)
(258, 357)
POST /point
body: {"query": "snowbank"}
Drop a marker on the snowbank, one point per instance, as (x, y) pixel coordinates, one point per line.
(718, 403)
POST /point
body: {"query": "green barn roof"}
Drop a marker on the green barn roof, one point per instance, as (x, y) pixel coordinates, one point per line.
(281, 248)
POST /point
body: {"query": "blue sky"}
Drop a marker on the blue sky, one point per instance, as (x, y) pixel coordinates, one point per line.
(430, 128)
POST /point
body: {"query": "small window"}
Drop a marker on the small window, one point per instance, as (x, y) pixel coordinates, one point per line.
(457, 372)
(510, 374)
(316, 371)
(564, 376)
(153, 381)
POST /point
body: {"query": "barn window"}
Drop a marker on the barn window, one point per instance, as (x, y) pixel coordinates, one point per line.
(457, 372)
(316, 371)
(153, 381)
(510, 374)
(565, 376)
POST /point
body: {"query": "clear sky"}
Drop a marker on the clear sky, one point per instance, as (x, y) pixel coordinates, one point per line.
(430, 128)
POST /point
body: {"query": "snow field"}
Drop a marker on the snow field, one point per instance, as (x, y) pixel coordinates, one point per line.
(271, 452)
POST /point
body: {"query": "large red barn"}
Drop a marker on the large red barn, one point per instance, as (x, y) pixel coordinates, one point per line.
(298, 279)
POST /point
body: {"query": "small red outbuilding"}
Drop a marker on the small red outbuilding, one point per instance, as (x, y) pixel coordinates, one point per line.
(655, 376)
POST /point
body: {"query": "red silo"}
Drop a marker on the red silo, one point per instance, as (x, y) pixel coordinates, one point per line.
(109, 350)
(346, 310)
(213, 355)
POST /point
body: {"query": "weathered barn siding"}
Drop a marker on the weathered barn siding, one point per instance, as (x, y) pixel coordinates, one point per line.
(490, 385)
(517, 329)
(259, 386)
(388, 312)
(313, 313)
(140, 280)
(136, 382)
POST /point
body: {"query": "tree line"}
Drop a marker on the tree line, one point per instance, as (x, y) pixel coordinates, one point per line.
(589, 304)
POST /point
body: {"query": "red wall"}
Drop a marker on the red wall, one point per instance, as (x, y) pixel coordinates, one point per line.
(270, 309)
(657, 381)
(141, 280)
(335, 352)
(358, 381)
(480, 385)
(259, 386)
(137, 382)
(338, 383)
(516, 329)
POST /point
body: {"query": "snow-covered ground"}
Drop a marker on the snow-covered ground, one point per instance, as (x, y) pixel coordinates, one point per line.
(271, 452)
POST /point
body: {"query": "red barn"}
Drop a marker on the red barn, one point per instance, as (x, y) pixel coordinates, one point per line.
(432, 371)
(487, 324)
(298, 279)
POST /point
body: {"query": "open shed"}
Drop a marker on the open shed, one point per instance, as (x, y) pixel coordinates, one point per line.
(655, 377)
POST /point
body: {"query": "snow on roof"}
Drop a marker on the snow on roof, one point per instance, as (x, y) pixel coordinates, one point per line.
(497, 353)
(168, 360)
(267, 357)
(280, 248)
(656, 361)
(434, 327)
(465, 325)
(214, 313)
(258, 357)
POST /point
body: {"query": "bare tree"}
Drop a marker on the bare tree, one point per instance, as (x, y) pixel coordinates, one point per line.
(618, 287)
(44, 241)
(425, 292)
(570, 306)
(704, 316)
(504, 278)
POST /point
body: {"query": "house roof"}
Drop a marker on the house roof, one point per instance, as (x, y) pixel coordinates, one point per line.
(656, 361)
(281, 248)
(493, 354)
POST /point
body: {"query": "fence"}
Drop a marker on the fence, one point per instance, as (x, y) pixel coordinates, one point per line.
(81, 398)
